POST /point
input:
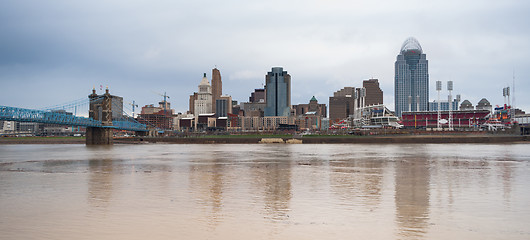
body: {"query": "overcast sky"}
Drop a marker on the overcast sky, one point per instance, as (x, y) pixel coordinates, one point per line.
(53, 52)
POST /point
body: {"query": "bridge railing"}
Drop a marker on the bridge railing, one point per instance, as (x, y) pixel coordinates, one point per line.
(128, 124)
(39, 116)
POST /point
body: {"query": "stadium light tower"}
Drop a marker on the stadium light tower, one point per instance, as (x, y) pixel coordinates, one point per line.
(504, 95)
(450, 98)
(508, 95)
(439, 89)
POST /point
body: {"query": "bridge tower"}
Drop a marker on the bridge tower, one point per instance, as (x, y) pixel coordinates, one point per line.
(101, 110)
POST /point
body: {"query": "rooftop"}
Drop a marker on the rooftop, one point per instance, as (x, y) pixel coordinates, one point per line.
(204, 80)
(411, 45)
(484, 102)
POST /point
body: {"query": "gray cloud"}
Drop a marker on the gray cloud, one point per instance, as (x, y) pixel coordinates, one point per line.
(56, 51)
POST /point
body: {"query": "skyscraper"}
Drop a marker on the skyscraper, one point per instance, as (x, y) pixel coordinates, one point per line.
(342, 104)
(203, 103)
(278, 89)
(217, 86)
(257, 96)
(411, 83)
(223, 106)
(374, 94)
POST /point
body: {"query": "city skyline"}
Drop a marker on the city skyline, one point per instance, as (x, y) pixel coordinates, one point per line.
(56, 52)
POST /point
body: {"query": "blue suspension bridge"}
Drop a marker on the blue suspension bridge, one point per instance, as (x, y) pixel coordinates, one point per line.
(105, 114)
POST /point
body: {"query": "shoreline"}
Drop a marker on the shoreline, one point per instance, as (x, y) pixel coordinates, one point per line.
(343, 140)
(409, 139)
(42, 140)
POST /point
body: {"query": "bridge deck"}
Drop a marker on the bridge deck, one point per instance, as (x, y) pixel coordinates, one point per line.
(40, 116)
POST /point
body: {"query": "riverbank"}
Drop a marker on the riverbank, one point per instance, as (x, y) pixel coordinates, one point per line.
(255, 139)
(42, 140)
(338, 139)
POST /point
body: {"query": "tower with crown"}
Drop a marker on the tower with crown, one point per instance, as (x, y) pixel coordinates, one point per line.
(203, 103)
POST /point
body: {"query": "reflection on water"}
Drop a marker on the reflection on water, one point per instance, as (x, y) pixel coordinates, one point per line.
(274, 174)
(412, 196)
(357, 180)
(265, 191)
(206, 182)
(100, 182)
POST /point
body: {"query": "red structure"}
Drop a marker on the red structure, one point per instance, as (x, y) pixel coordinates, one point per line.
(233, 120)
(159, 119)
(461, 119)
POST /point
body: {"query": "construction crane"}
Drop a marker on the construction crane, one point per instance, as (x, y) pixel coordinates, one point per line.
(165, 102)
(133, 104)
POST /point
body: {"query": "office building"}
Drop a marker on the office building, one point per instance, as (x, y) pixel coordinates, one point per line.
(309, 121)
(192, 103)
(374, 94)
(411, 83)
(253, 109)
(258, 96)
(217, 87)
(342, 104)
(160, 116)
(236, 108)
(7, 126)
(203, 102)
(278, 93)
(265, 123)
(312, 107)
(223, 106)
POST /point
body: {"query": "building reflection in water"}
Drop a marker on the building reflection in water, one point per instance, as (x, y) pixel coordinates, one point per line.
(506, 166)
(52, 166)
(207, 182)
(357, 180)
(412, 180)
(100, 182)
(272, 177)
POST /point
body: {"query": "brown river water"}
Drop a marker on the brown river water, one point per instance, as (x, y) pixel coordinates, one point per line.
(325, 191)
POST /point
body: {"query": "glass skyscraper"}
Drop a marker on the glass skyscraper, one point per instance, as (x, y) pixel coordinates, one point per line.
(444, 105)
(278, 89)
(411, 83)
